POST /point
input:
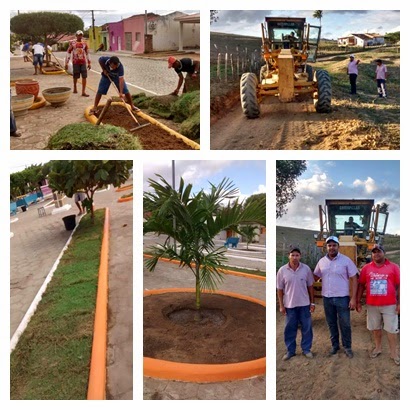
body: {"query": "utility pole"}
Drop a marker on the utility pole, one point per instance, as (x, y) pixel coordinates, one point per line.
(93, 25)
(146, 30)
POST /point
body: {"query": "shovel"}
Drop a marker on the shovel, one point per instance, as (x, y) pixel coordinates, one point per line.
(119, 98)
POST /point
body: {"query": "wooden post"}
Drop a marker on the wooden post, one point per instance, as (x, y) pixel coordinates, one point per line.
(104, 111)
(286, 76)
(218, 67)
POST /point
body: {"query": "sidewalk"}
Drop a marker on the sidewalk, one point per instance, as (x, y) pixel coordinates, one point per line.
(167, 275)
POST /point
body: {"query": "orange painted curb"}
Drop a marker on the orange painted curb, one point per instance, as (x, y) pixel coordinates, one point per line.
(128, 198)
(124, 188)
(203, 373)
(98, 367)
(228, 272)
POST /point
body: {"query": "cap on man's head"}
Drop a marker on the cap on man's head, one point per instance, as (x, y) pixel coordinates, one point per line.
(295, 250)
(332, 239)
(351, 55)
(171, 60)
(378, 247)
(79, 33)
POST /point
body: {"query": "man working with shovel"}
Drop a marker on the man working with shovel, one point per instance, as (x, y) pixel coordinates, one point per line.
(112, 71)
(186, 65)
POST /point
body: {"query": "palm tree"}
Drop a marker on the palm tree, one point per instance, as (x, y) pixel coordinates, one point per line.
(199, 218)
(318, 14)
(248, 231)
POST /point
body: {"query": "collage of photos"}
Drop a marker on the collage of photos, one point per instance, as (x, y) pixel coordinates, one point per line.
(178, 295)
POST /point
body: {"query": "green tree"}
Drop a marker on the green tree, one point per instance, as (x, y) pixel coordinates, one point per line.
(194, 220)
(69, 177)
(260, 199)
(214, 16)
(392, 38)
(287, 172)
(45, 26)
(318, 14)
(249, 233)
(26, 180)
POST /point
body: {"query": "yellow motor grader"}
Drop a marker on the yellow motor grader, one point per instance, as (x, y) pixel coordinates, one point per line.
(288, 46)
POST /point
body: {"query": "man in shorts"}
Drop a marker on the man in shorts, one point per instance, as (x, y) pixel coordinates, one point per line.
(81, 61)
(112, 72)
(78, 198)
(188, 66)
(381, 279)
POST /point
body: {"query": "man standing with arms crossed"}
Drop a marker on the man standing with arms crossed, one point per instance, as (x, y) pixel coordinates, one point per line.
(335, 270)
(81, 61)
(296, 301)
(381, 279)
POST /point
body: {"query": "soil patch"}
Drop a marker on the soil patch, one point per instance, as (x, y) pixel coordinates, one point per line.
(336, 377)
(151, 137)
(230, 330)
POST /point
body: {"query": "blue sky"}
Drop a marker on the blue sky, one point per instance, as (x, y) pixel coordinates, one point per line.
(378, 180)
(248, 176)
(335, 23)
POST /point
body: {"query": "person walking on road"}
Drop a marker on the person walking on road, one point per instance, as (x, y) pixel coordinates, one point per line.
(112, 70)
(78, 49)
(38, 57)
(353, 72)
(381, 77)
(185, 65)
(335, 270)
(294, 284)
(381, 279)
(78, 199)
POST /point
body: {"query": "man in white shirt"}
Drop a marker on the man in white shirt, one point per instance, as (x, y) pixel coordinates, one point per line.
(38, 54)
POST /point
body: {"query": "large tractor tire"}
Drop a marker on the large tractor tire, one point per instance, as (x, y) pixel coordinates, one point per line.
(323, 104)
(249, 99)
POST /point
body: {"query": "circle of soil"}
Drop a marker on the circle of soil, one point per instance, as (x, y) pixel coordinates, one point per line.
(151, 137)
(230, 329)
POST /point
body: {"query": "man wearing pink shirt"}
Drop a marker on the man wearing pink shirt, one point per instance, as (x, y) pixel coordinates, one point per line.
(381, 279)
(296, 301)
(336, 270)
(381, 77)
(353, 72)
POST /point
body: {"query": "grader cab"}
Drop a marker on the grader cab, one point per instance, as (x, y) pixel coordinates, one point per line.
(288, 46)
(359, 224)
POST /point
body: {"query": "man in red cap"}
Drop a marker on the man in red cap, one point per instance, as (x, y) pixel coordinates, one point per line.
(184, 65)
(381, 279)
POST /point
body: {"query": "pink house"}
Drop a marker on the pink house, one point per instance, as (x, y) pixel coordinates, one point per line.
(134, 29)
(116, 36)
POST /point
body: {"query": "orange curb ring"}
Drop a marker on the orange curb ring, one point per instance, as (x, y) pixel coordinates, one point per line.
(227, 271)
(98, 366)
(124, 188)
(203, 373)
(128, 198)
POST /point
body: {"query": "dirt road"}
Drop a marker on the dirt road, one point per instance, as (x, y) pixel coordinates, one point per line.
(297, 126)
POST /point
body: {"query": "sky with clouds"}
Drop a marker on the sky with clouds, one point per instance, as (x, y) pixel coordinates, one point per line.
(335, 23)
(248, 176)
(378, 180)
(106, 16)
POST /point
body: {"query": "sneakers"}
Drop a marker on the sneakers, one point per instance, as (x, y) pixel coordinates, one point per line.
(334, 350)
(349, 353)
(287, 356)
(309, 355)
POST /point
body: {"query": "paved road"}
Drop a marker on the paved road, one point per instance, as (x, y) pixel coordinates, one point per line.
(254, 258)
(35, 246)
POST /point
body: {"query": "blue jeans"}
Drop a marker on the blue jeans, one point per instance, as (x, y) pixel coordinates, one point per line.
(294, 316)
(381, 87)
(337, 310)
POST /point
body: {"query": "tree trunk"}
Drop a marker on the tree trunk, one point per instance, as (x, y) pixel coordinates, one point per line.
(197, 290)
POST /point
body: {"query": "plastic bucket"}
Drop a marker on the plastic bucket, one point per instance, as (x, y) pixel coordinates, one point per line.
(69, 222)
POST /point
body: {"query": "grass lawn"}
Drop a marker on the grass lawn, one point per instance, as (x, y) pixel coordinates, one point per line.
(51, 360)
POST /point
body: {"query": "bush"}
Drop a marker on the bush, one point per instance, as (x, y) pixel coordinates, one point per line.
(86, 136)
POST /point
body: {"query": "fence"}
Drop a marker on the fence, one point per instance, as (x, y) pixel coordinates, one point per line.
(310, 253)
(230, 65)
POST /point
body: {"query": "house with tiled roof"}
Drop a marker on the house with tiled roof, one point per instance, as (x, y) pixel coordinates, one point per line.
(361, 40)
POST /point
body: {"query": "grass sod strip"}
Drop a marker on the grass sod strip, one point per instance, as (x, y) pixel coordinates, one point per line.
(52, 358)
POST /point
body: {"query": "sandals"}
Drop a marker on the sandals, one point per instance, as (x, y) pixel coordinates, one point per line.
(374, 354)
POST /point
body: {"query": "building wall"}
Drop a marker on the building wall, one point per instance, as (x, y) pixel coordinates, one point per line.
(93, 43)
(116, 36)
(165, 32)
(134, 34)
